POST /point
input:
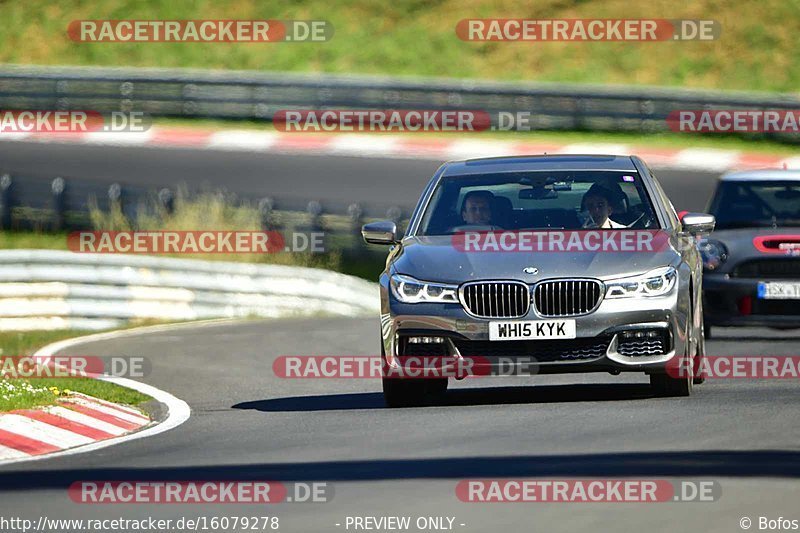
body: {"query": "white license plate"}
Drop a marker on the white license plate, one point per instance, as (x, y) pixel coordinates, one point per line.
(514, 330)
(779, 290)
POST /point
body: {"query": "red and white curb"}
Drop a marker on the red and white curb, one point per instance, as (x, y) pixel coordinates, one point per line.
(75, 420)
(406, 146)
(177, 410)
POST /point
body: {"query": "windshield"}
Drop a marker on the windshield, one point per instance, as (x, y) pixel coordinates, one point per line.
(751, 204)
(568, 200)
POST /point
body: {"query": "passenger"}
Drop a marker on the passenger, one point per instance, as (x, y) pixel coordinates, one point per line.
(597, 201)
(477, 208)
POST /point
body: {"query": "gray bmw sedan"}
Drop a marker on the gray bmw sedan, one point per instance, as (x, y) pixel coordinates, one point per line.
(542, 264)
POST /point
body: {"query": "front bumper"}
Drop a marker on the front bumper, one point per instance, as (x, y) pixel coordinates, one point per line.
(597, 347)
(729, 301)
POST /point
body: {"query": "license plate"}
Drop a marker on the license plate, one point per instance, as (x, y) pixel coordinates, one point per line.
(779, 290)
(514, 330)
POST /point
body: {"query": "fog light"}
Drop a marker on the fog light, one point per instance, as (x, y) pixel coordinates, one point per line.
(641, 334)
(426, 340)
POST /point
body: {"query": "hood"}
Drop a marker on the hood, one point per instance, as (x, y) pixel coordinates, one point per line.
(436, 259)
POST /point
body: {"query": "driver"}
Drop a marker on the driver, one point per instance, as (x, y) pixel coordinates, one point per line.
(477, 208)
(597, 201)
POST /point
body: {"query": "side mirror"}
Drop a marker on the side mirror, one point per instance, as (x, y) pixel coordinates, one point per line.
(698, 223)
(381, 232)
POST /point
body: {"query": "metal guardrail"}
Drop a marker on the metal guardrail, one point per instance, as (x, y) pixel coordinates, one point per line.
(44, 289)
(61, 202)
(64, 203)
(258, 96)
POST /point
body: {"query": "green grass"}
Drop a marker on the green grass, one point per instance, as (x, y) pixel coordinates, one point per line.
(757, 50)
(14, 343)
(28, 393)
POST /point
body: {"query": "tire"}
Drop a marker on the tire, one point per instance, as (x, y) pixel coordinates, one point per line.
(412, 392)
(405, 392)
(700, 356)
(666, 386)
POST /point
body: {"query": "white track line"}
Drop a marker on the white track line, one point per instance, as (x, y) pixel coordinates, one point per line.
(595, 148)
(117, 406)
(33, 429)
(242, 140)
(86, 420)
(111, 411)
(7, 453)
(706, 159)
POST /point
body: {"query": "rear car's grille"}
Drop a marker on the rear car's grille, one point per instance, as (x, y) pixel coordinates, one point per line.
(776, 307)
(498, 299)
(768, 268)
(543, 351)
(567, 297)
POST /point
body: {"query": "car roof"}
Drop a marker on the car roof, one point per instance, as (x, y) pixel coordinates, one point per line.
(762, 175)
(522, 163)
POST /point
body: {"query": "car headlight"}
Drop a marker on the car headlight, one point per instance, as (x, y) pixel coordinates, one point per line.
(713, 252)
(657, 282)
(411, 291)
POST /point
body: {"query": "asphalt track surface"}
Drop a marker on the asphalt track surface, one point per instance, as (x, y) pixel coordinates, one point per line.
(340, 180)
(248, 424)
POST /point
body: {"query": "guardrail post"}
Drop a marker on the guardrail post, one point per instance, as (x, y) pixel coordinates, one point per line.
(58, 187)
(395, 214)
(166, 201)
(6, 201)
(116, 199)
(356, 215)
(266, 208)
(314, 211)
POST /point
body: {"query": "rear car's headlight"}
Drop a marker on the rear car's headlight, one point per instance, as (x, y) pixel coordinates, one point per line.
(411, 291)
(657, 282)
(713, 252)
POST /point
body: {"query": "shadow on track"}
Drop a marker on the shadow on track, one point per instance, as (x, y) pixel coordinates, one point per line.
(763, 463)
(461, 397)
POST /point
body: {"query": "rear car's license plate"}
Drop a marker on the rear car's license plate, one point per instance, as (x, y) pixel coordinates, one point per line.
(514, 330)
(779, 290)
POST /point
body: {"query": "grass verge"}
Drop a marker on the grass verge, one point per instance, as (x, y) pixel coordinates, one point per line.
(757, 48)
(29, 393)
